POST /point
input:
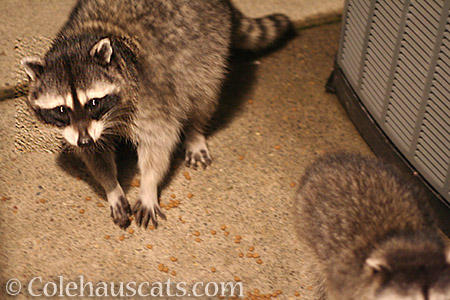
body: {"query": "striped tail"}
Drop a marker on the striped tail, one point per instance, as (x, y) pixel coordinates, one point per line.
(260, 33)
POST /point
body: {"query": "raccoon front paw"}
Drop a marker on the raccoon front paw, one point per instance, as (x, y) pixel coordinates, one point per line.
(194, 158)
(120, 212)
(143, 214)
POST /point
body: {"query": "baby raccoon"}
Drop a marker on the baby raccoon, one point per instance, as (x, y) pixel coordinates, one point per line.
(369, 233)
(144, 70)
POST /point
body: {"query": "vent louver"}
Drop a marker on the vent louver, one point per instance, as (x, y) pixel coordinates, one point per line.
(396, 57)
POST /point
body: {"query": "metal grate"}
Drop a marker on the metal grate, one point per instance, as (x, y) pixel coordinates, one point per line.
(380, 50)
(396, 56)
(352, 49)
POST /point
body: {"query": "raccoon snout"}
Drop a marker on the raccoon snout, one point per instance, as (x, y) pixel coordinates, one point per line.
(84, 139)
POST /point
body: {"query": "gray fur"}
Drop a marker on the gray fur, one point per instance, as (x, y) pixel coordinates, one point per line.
(144, 70)
(369, 233)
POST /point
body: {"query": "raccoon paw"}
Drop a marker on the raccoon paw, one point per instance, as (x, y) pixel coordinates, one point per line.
(120, 212)
(143, 214)
(194, 158)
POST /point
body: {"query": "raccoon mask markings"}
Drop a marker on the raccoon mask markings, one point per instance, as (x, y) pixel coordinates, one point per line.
(87, 119)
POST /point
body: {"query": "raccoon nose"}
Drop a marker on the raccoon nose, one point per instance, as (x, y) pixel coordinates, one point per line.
(85, 139)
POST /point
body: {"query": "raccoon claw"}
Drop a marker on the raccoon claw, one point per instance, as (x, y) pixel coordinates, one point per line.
(120, 213)
(193, 159)
(144, 214)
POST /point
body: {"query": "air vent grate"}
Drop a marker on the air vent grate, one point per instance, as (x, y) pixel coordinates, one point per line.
(380, 50)
(433, 147)
(352, 50)
(396, 57)
(414, 60)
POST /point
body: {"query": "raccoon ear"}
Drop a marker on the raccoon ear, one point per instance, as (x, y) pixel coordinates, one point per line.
(34, 67)
(102, 51)
(377, 262)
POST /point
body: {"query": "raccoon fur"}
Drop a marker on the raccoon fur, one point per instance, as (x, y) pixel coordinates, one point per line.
(369, 233)
(146, 71)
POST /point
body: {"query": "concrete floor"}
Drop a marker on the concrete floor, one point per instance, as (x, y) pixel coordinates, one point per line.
(275, 119)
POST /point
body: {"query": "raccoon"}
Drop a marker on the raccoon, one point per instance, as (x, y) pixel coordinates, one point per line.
(146, 71)
(369, 233)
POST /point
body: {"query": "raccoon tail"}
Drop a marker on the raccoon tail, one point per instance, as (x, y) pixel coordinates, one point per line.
(260, 33)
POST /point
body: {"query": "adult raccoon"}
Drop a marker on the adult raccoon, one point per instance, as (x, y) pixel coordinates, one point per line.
(369, 233)
(145, 70)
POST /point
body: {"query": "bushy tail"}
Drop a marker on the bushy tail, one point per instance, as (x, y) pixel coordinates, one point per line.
(260, 33)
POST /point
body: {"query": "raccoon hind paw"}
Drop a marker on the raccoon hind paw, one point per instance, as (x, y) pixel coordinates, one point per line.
(201, 157)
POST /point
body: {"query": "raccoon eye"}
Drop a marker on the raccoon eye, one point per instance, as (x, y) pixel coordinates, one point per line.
(97, 107)
(58, 116)
(61, 109)
(94, 102)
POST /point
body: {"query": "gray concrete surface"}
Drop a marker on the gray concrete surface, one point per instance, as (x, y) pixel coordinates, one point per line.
(275, 119)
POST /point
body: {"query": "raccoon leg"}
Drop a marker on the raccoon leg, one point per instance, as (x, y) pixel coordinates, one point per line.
(155, 147)
(103, 167)
(196, 149)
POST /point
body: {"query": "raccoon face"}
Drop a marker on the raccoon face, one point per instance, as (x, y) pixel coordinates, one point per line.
(74, 90)
(414, 280)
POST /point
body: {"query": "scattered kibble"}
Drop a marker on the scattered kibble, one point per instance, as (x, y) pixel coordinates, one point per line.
(135, 183)
(160, 267)
(107, 237)
(190, 195)
(259, 261)
(292, 184)
(255, 255)
(277, 147)
(166, 269)
(88, 198)
(250, 101)
(131, 231)
(213, 270)
(173, 273)
(173, 258)
(241, 157)
(42, 201)
(213, 232)
(173, 196)
(297, 294)
(310, 288)
(196, 233)
(151, 227)
(82, 210)
(99, 204)
(226, 233)
(149, 246)
(122, 237)
(187, 176)
(198, 240)
(236, 278)
(251, 249)
(223, 227)
(241, 254)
